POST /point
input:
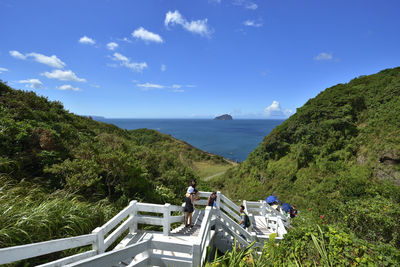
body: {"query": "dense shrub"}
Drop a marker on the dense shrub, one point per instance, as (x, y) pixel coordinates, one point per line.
(310, 242)
(41, 141)
(64, 175)
(338, 154)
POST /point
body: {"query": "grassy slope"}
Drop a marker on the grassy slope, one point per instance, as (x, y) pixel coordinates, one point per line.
(210, 170)
(339, 155)
(63, 175)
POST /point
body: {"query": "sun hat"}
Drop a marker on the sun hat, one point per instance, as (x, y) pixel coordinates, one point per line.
(271, 199)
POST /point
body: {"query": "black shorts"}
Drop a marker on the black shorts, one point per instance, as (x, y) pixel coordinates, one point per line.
(189, 209)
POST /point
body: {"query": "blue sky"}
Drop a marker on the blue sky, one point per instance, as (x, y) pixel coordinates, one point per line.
(193, 58)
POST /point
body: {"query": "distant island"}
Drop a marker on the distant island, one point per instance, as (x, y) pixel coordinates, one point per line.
(225, 117)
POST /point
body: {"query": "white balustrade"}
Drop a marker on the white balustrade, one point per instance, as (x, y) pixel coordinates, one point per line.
(138, 213)
(16, 253)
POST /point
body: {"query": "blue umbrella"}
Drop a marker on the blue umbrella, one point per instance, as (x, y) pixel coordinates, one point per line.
(270, 199)
(286, 207)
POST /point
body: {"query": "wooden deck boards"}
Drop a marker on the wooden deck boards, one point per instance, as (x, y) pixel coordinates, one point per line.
(198, 216)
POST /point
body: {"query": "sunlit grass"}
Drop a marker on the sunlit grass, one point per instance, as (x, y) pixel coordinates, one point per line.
(205, 169)
(29, 214)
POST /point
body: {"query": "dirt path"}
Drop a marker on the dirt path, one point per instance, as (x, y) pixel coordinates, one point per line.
(212, 176)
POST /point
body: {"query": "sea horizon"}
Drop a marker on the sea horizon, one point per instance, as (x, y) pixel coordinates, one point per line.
(154, 118)
(231, 139)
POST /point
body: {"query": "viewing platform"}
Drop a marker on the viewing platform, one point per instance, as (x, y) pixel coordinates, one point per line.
(120, 242)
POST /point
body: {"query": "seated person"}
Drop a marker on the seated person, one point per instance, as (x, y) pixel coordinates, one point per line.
(212, 199)
(276, 205)
(244, 218)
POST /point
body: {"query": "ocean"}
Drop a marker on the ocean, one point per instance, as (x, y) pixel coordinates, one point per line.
(233, 139)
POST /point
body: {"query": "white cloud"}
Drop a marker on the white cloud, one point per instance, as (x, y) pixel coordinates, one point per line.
(17, 54)
(120, 57)
(3, 70)
(68, 87)
(124, 61)
(95, 85)
(163, 67)
(195, 26)
(252, 6)
(246, 4)
(87, 40)
(149, 86)
(323, 56)
(174, 18)
(145, 35)
(62, 75)
(275, 110)
(112, 46)
(125, 39)
(52, 61)
(252, 23)
(32, 83)
(176, 88)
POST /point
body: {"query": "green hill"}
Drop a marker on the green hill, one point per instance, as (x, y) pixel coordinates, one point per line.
(63, 174)
(337, 158)
(338, 155)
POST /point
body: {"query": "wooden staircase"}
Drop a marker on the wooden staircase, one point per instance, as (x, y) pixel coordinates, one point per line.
(214, 227)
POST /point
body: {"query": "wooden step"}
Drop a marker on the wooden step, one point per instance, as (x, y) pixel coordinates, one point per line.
(167, 260)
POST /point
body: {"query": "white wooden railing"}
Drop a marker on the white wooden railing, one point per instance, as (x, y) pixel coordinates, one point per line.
(101, 238)
(17, 253)
(236, 230)
(225, 214)
(223, 203)
(263, 208)
(143, 247)
(205, 237)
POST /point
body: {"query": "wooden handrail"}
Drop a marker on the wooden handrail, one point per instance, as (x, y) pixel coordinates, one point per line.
(109, 258)
(237, 227)
(11, 254)
(101, 238)
(204, 235)
(118, 218)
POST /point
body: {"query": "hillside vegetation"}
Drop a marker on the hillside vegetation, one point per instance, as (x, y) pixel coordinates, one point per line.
(63, 175)
(339, 156)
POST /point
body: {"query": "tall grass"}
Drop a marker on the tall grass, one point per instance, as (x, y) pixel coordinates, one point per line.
(312, 245)
(319, 244)
(271, 255)
(236, 257)
(29, 214)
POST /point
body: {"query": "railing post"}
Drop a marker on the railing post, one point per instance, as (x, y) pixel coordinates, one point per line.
(264, 207)
(196, 255)
(99, 244)
(218, 199)
(133, 227)
(209, 227)
(277, 226)
(166, 219)
(253, 236)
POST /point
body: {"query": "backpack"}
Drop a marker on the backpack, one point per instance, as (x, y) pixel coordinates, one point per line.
(246, 221)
